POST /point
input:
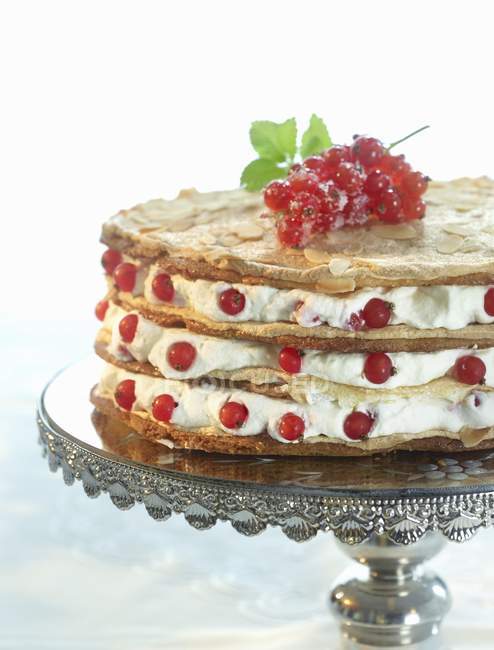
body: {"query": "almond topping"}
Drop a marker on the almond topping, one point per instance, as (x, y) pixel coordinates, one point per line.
(187, 193)
(208, 240)
(249, 231)
(461, 229)
(400, 231)
(229, 240)
(178, 226)
(335, 285)
(339, 265)
(449, 244)
(316, 256)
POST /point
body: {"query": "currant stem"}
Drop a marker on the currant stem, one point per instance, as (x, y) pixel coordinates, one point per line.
(422, 128)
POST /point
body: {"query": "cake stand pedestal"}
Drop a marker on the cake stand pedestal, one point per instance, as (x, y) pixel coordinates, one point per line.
(390, 514)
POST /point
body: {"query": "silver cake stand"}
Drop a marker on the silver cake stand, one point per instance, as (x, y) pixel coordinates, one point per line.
(390, 514)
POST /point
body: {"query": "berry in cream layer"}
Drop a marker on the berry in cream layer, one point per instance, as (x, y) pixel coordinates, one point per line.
(180, 354)
(241, 413)
(451, 307)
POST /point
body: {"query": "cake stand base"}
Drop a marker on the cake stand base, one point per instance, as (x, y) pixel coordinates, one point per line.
(397, 603)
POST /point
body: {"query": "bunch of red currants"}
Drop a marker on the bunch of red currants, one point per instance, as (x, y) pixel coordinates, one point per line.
(345, 185)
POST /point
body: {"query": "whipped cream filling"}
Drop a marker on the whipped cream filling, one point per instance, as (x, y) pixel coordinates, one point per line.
(199, 406)
(152, 341)
(450, 306)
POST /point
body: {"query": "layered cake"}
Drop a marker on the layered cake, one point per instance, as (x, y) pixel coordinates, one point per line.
(219, 334)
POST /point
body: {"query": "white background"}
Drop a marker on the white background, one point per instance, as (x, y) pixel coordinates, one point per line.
(105, 104)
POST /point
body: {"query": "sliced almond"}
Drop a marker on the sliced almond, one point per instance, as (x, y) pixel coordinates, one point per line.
(471, 248)
(400, 231)
(178, 226)
(449, 244)
(461, 229)
(339, 265)
(208, 240)
(489, 230)
(335, 285)
(187, 193)
(204, 217)
(316, 256)
(146, 231)
(249, 231)
(229, 240)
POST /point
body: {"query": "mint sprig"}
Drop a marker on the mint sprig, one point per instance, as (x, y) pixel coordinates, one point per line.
(276, 144)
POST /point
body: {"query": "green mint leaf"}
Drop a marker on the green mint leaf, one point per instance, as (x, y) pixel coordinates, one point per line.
(259, 172)
(273, 141)
(316, 138)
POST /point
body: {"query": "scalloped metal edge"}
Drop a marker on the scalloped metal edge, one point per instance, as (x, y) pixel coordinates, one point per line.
(251, 510)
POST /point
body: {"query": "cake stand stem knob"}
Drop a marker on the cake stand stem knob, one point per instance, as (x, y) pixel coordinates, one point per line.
(396, 602)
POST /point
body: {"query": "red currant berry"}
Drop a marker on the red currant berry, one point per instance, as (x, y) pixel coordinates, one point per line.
(348, 178)
(162, 287)
(356, 321)
(375, 183)
(290, 360)
(394, 166)
(368, 151)
(127, 327)
(489, 301)
(413, 208)
(376, 313)
(277, 196)
(413, 184)
(305, 206)
(125, 276)
(291, 427)
(302, 181)
(296, 167)
(357, 425)
(100, 309)
(231, 301)
(388, 206)
(125, 394)
(315, 164)
(233, 415)
(356, 211)
(290, 232)
(469, 370)
(336, 155)
(181, 355)
(378, 368)
(163, 407)
(110, 260)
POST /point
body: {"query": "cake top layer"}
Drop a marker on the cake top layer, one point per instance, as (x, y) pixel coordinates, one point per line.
(227, 232)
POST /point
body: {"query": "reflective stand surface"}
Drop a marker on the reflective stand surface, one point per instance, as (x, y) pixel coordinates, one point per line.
(390, 514)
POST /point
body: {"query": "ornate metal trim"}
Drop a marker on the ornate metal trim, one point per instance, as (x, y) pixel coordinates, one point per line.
(251, 509)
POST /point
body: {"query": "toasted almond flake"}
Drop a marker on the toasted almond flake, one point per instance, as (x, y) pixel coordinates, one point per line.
(335, 285)
(208, 240)
(187, 193)
(471, 248)
(249, 231)
(229, 240)
(214, 255)
(354, 250)
(400, 231)
(147, 231)
(449, 244)
(316, 256)
(204, 217)
(461, 229)
(177, 226)
(339, 265)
